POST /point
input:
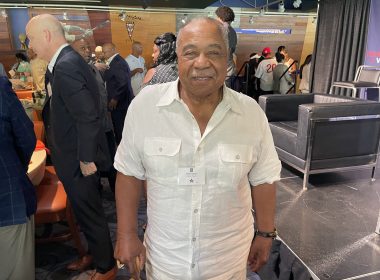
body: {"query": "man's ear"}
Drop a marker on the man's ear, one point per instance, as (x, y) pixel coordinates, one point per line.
(46, 35)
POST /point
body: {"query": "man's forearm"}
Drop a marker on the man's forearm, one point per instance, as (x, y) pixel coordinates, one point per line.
(264, 204)
(128, 193)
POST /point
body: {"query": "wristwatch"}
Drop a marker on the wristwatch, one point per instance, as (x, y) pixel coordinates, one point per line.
(271, 234)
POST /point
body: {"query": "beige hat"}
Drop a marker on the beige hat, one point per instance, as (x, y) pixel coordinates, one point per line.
(98, 49)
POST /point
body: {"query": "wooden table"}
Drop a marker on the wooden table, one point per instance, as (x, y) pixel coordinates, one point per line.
(36, 169)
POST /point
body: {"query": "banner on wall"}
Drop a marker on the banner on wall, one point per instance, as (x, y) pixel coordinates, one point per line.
(373, 39)
(263, 31)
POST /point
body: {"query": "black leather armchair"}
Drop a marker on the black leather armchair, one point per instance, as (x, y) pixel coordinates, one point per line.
(317, 133)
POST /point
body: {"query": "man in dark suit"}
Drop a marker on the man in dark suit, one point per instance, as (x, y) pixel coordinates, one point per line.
(119, 88)
(17, 194)
(82, 47)
(71, 117)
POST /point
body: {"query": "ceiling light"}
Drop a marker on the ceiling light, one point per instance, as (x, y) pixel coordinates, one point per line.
(184, 19)
(250, 20)
(3, 13)
(64, 16)
(281, 7)
(297, 3)
(123, 15)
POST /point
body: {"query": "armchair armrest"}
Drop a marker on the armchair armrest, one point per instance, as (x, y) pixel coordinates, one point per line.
(279, 107)
(330, 136)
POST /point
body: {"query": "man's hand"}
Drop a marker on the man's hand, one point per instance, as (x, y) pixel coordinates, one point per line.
(112, 104)
(259, 253)
(101, 66)
(128, 248)
(87, 168)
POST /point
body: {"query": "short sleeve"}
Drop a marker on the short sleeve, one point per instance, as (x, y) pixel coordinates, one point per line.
(128, 158)
(267, 168)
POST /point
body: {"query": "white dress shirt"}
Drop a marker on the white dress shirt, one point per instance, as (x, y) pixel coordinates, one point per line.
(138, 78)
(51, 65)
(197, 231)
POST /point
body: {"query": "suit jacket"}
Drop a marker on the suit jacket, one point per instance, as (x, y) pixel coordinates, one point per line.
(71, 114)
(17, 143)
(118, 82)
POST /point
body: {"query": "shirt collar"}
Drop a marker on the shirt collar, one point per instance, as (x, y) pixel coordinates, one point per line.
(111, 58)
(53, 60)
(172, 94)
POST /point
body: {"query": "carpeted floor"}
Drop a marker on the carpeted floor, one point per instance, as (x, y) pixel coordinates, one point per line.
(52, 258)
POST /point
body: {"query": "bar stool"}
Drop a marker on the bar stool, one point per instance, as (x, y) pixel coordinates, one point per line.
(53, 207)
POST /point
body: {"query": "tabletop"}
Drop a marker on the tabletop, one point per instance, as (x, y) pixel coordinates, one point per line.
(36, 169)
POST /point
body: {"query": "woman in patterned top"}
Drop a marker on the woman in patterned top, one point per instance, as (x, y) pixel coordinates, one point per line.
(165, 60)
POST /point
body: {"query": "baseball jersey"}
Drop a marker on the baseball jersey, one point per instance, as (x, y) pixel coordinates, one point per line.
(265, 73)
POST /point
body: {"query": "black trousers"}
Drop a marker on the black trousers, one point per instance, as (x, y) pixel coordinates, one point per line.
(118, 117)
(87, 206)
(111, 174)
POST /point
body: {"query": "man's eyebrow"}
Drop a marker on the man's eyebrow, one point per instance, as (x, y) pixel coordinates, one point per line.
(192, 46)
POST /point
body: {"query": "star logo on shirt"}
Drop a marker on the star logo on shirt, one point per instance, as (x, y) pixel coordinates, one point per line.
(191, 181)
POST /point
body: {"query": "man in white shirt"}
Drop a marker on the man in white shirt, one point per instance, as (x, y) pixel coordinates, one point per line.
(136, 64)
(207, 155)
(265, 72)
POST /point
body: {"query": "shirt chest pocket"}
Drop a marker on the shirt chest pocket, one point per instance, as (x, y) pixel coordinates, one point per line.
(161, 157)
(235, 162)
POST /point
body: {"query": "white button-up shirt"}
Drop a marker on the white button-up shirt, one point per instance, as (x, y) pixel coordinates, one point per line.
(197, 231)
(138, 78)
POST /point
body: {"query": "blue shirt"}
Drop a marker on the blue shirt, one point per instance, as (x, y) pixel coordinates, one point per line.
(17, 142)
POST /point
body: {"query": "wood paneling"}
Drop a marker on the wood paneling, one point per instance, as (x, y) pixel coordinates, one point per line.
(101, 35)
(7, 57)
(75, 17)
(145, 31)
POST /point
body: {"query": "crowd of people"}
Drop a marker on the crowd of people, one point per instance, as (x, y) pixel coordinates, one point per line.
(176, 129)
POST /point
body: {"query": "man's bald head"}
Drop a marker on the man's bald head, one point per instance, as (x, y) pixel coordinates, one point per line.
(137, 49)
(109, 50)
(45, 35)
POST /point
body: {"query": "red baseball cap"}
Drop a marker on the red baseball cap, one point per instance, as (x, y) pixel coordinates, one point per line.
(266, 51)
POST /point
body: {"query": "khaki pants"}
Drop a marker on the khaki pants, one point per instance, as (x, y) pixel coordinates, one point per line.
(17, 251)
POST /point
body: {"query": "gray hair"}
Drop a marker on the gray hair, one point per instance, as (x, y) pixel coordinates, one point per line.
(223, 29)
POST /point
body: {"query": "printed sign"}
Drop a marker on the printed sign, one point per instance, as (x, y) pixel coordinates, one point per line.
(263, 31)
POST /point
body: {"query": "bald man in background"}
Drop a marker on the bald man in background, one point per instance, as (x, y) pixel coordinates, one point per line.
(71, 118)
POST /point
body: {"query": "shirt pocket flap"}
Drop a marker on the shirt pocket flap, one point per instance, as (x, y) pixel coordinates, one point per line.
(158, 146)
(235, 153)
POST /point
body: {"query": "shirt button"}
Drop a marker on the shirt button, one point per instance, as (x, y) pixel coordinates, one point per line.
(196, 211)
(192, 265)
(237, 156)
(194, 239)
(160, 149)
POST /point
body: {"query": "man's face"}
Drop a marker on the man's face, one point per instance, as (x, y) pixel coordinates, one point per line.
(139, 49)
(202, 59)
(156, 52)
(37, 41)
(83, 48)
(108, 52)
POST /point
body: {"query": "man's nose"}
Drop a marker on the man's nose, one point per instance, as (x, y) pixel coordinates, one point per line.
(202, 61)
